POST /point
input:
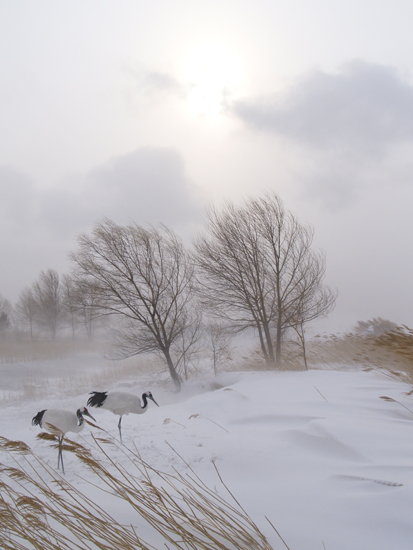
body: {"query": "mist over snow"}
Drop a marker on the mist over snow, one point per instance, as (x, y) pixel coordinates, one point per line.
(318, 453)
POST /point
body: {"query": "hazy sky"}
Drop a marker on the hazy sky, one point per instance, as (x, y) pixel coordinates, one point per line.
(149, 111)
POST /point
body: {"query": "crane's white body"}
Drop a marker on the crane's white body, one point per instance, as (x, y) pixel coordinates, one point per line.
(59, 422)
(120, 403)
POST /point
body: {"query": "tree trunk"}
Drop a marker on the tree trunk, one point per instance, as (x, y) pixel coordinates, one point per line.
(262, 343)
(270, 347)
(172, 371)
(301, 336)
(278, 343)
(304, 354)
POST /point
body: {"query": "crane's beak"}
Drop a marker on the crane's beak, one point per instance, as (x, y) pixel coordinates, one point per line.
(152, 399)
(87, 413)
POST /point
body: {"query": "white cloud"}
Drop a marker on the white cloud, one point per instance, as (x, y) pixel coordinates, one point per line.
(38, 227)
(148, 185)
(153, 86)
(364, 104)
(343, 127)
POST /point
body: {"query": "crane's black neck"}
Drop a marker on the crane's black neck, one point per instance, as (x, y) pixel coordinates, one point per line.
(145, 401)
(80, 418)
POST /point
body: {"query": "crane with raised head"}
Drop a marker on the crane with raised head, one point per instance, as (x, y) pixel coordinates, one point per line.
(59, 422)
(120, 403)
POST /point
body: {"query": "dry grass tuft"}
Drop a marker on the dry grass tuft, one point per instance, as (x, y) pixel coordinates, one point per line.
(16, 446)
(40, 510)
(391, 351)
(385, 398)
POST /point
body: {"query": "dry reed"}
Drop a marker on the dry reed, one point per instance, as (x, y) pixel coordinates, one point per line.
(40, 510)
(391, 351)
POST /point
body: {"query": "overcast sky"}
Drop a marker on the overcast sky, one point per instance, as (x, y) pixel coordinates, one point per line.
(149, 111)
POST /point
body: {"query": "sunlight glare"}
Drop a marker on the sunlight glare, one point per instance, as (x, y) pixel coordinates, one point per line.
(212, 72)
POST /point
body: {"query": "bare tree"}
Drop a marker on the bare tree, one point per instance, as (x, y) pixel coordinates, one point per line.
(258, 271)
(232, 275)
(6, 311)
(188, 345)
(219, 342)
(86, 301)
(144, 277)
(314, 299)
(69, 302)
(26, 309)
(47, 294)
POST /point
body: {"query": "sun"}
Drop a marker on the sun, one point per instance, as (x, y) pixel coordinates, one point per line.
(211, 72)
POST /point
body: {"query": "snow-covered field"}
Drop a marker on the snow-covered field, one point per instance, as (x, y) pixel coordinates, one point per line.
(318, 453)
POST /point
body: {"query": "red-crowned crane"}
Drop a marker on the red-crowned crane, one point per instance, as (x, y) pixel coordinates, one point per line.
(59, 422)
(120, 403)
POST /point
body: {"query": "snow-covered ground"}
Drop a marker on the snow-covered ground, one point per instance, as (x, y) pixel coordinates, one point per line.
(319, 453)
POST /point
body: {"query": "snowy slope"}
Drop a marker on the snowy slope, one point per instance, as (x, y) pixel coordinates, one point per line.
(318, 452)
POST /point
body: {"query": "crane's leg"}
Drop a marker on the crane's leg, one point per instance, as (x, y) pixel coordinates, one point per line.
(120, 428)
(60, 457)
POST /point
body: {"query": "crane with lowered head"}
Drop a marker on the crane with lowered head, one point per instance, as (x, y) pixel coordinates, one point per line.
(59, 422)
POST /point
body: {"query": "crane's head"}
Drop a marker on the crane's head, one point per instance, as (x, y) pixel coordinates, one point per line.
(84, 412)
(150, 396)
